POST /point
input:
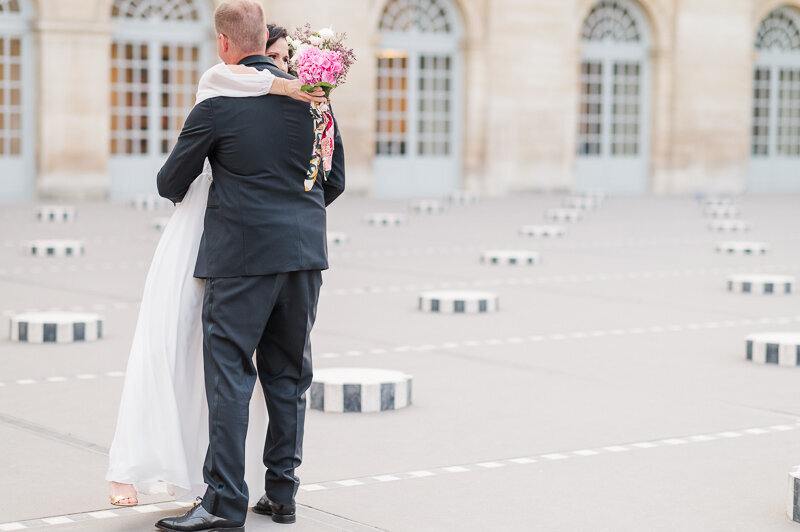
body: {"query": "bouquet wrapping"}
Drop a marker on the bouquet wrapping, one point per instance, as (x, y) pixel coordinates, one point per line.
(320, 60)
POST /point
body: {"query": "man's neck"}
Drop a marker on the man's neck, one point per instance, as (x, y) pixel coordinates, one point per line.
(235, 60)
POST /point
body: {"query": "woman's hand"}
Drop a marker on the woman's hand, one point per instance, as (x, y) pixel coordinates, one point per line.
(293, 89)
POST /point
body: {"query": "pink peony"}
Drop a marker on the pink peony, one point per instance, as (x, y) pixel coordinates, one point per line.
(315, 65)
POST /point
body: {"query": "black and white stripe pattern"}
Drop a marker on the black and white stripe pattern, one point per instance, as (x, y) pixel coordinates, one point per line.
(758, 283)
(510, 257)
(427, 207)
(149, 202)
(793, 509)
(722, 211)
(585, 203)
(463, 198)
(718, 201)
(544, 231)
(743, 248)
(385, 219)
(564, 215)
(779, 348)
(458, 302)
(56, 213)
(55, 327)
(54, 248)
(335, 238)
(359, 390)
(732, 226)
(160, 223)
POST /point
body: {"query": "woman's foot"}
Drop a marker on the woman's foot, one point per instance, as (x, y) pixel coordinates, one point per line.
(122, 494)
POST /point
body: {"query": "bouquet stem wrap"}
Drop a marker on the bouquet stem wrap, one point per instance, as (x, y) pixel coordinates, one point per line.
(322, 156)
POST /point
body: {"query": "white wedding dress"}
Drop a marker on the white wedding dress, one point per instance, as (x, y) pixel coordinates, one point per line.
(162, 428)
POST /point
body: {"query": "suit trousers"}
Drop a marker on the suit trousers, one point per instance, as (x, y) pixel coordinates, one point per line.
(273, 316)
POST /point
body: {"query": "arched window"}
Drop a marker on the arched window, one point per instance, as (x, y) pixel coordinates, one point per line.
(16, 101)
(157, 56)
(775, 148)
(612, 145)
(417, 146)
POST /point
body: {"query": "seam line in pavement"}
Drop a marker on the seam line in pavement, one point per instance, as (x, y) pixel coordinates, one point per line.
(548, 457)
(493, 342)
(53, 435)
(438, 471)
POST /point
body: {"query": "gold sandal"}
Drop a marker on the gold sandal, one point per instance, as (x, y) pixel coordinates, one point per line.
(117, 501)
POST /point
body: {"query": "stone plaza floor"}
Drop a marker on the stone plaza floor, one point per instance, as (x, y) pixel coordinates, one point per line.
(610, 392)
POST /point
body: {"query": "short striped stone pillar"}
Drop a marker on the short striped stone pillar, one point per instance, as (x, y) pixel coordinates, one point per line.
(759, 283)
(160, 223)
(793, 508)
(779, 348)
(458, 302)
(55, 248)
(743, 248)
(55, 327)
(462, 198)
(718, 201)
(564, 215)
(722, 211)
(56, 213)
(584, 203)
(336, 238)
(543, 231)
(731, 226)
(385, 219)
(149, 202)
(427, 206)
(359, 390)
(510, 257)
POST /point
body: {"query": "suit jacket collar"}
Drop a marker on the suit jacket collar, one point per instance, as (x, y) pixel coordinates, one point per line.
(252, 60)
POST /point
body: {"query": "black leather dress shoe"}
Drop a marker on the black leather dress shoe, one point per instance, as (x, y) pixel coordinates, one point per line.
(284, 514)
(198, 519)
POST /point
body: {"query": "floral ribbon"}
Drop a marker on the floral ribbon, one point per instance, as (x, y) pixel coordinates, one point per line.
(324, 131)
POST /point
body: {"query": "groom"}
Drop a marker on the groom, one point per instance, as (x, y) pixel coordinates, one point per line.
(262, 252)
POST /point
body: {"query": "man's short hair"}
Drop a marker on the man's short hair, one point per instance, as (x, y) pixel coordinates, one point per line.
(243, 23)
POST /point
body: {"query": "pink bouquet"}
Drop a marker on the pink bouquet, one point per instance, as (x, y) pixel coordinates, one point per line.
(320, 60)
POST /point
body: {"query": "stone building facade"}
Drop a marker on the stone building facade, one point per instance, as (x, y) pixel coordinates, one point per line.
(493, 96)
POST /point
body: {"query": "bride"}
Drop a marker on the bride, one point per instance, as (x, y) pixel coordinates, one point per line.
(162, 428)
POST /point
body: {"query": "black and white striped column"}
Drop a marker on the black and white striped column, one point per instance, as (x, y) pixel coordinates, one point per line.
(564, 215)
(543, 231)
(149, 202)
(427, 206)
(54, 248)
(793, 508)
(743, 248)
(55, 327)
(584, 203)
(759, 283)
(722, 211)
(463, 198)
(385, 219)
(359, 390)
(458, 302)
(56, 213)
(337, 238)
(731, 226)
(160, 223)
(510, 257)
(779, 348)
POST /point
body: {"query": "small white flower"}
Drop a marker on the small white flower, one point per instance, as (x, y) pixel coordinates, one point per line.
(316, 41)
(301, 50)
(326, 34)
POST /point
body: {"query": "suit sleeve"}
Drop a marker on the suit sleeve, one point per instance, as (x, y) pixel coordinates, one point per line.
(334, 186)
(186, 161)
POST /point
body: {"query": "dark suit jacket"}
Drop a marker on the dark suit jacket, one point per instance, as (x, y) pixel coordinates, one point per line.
(259, 219)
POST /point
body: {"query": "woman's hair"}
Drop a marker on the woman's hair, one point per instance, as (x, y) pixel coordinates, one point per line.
(276, 32)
